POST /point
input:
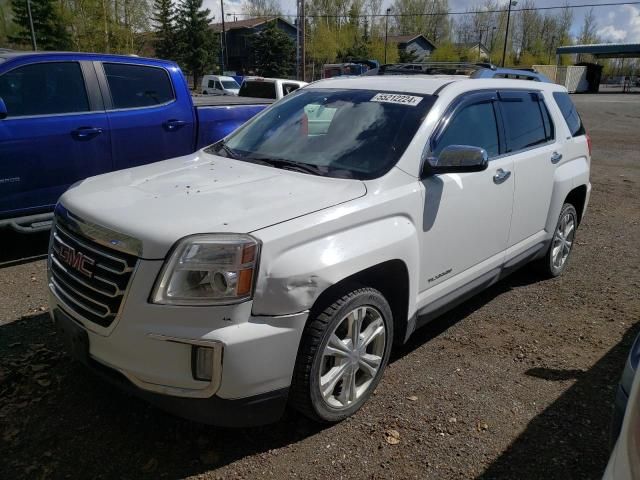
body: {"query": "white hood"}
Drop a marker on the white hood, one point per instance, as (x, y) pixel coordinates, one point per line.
(201, 193)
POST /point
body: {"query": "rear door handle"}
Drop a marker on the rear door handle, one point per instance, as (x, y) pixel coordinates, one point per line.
(172, 125)
(84, 133)
(501, 176)
(556, 157)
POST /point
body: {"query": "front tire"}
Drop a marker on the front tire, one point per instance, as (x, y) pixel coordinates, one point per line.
(343, 353)
(556, 259)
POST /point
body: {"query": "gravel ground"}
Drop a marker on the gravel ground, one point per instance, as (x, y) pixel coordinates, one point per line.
(516, 383)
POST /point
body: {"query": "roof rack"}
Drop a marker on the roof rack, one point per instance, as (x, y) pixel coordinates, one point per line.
(430, 68)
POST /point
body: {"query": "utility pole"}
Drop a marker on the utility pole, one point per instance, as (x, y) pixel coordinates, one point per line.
(386, 33)
(303, 41)
(506, 33)
(33, 32)
(223, 41)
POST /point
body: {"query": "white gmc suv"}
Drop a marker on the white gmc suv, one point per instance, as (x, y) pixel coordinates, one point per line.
(280, 265)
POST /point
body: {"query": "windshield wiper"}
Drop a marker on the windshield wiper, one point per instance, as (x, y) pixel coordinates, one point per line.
(221, 146)
(288, 165)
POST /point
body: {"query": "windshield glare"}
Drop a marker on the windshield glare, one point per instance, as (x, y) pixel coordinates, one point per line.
(344, 133)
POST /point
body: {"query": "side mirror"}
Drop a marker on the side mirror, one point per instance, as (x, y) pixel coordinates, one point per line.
(456, 159)
(3, 110)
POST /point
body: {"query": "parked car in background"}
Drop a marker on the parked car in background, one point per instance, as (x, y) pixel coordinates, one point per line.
(69, 116)
(219, 85)
(273, 88)
(624, 462)
(279, 266)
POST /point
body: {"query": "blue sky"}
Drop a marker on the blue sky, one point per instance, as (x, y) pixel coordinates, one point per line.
(615, 24)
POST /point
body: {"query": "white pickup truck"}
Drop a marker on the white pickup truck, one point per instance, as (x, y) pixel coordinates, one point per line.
(280, 266)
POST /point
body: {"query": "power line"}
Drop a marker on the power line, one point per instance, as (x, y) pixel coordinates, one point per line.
(441, 14)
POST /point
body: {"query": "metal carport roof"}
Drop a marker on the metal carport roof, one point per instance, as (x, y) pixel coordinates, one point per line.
(603, 50)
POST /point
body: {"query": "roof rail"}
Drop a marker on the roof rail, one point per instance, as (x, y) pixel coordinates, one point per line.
(430, 68)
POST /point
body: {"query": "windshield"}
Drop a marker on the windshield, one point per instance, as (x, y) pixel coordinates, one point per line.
(340, 133)
(230, 85)
(258, 89)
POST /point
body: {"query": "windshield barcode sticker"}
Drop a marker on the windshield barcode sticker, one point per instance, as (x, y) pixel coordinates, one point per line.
(396, 98)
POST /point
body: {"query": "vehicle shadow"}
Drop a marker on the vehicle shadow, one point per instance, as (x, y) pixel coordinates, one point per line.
(17, 248)
(573, 430)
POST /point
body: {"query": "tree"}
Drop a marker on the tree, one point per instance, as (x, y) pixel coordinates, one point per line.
(49, 28)
(274, 52)
(588, 32)
(165, 32)
(261, 8)
(196, 42)
(406, 55)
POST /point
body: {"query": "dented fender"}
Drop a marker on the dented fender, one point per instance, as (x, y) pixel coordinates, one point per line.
(293, 276)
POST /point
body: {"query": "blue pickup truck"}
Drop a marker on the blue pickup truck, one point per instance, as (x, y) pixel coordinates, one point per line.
(69, 116)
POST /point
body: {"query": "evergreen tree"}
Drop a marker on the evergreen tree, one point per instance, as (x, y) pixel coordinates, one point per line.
(196, 42)
(274, 52)
(165, 29)
(406, 55)
(50, 31)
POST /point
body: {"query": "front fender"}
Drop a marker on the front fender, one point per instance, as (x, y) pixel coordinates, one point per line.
(291, 278)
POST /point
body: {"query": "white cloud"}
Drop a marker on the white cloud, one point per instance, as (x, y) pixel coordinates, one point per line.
(612, 34)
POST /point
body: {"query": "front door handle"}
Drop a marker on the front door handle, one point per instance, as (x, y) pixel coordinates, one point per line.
(172, 125)
(501, 176)
(556, 157)
(84, 133)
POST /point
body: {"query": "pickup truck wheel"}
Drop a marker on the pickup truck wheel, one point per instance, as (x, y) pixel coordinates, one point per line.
(342, 355)
(557, 257)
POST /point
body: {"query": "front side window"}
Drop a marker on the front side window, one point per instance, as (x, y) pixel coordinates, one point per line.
(288, 88)
(523, 120)
(474, 125)
(136, 86)
(357, 134)
(211, 84)
(48, 88)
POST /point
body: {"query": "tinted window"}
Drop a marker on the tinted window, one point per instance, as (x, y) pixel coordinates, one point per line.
(134, 86)
(211, 84)
(287, 88)
(569, 113)
(523, 120)
(474, 125)
(548, 122)
(258, 89)
(44, 89)
(341, 133)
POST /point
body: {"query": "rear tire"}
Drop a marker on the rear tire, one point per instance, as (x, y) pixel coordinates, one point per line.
(331, 378)
(555, 261)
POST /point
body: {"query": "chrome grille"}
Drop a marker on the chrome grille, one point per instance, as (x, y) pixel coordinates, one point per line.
(89, 278)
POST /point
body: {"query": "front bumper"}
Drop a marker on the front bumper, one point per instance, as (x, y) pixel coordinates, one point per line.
(149, 347)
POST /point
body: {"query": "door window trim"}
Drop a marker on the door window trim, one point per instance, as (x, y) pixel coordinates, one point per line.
(106, 91)
(462, 101)
(92, 109)
(540, 99)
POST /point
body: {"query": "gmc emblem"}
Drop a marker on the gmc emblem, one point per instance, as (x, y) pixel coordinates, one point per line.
(76, 260)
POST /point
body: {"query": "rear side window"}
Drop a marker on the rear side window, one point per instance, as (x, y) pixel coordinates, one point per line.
(136, 86)
(523, 120)
(474, 125)
(258, 89)
(211, 84)
(44, 89)
(569, 113)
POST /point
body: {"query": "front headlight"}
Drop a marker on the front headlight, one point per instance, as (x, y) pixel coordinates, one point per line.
(211, 269)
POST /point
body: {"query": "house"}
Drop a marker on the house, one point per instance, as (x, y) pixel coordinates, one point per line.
(239, 56)
(473, 52)
(419, 45)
